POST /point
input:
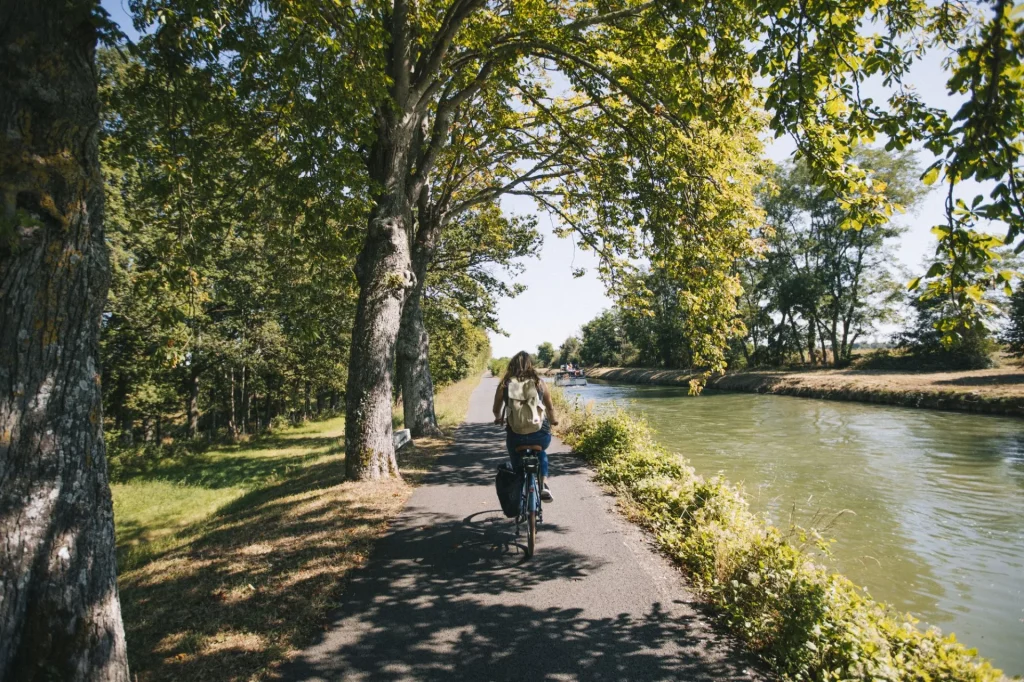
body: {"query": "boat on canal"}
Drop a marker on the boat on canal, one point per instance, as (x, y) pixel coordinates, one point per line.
(570, 377)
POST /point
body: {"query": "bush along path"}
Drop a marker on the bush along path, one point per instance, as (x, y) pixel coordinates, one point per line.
(804, 622)
(448, 595)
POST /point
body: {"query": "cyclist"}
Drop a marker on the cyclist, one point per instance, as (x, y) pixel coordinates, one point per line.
(523, 404)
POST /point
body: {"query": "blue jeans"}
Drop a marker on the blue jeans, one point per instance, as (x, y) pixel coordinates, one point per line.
(541, 438)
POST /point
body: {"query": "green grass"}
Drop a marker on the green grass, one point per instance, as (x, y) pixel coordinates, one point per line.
(155, 498)
(230, 559)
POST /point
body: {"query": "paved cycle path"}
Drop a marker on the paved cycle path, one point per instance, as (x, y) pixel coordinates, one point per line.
(448, 595)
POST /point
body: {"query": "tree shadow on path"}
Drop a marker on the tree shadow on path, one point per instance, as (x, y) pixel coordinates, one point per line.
(447, 598)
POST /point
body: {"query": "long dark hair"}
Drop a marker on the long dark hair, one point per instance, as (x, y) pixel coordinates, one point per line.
(520, 367)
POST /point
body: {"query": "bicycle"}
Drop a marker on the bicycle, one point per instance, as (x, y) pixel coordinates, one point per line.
(531, 509)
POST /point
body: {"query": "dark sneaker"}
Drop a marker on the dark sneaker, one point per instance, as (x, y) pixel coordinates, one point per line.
(546, 495)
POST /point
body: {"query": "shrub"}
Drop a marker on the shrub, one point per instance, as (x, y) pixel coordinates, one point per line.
(498, 366)
(803, 621)
(926, 350)
(1013, 336)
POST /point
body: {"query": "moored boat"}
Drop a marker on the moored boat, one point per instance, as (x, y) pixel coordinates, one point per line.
(570, 377)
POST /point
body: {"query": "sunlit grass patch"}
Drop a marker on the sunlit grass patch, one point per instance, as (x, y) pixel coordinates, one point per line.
(452, 402)
(231, 558)
(147, 513)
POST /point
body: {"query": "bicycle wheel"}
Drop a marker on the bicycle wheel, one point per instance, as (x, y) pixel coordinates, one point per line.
(531, 534)
(531, 524)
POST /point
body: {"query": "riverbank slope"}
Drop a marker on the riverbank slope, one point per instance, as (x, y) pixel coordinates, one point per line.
(990, 391)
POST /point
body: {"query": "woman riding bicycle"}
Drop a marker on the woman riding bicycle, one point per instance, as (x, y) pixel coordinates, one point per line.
(523, 380)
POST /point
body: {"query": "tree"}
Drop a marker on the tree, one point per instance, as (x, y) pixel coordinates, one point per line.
(1013, 335)
(923, 339)
(60, 617)
(227, 298)
(981, 141)
(414, 73)
(569, 351)
(658, 328)
(938, 336)
(822, 281)
(545, 354)
(604, 341)
(459, 230)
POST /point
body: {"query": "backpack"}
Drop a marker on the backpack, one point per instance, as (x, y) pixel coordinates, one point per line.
(525, 410)
(509, 485)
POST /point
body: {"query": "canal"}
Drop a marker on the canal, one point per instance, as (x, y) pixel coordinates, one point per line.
(926, 507)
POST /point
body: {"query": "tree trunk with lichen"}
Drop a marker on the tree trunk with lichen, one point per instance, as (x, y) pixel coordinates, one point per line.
(384, 274)
(60, 617)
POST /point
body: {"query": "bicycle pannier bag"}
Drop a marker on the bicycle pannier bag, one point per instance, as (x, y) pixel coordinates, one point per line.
(525, 409)
(509, 486)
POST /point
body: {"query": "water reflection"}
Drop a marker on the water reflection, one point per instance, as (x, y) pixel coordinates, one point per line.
(937, 527)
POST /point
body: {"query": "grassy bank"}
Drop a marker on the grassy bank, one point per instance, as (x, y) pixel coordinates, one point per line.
(768, 587)
(990, 391)
(230, 559)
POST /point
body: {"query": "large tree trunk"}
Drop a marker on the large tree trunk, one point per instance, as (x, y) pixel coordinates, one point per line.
(414, 370)
(60, 617)
(400, 164)
(384, 267)
(413, 340)
(384, 274)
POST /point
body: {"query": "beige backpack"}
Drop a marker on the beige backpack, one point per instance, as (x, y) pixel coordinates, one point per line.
(525, 409)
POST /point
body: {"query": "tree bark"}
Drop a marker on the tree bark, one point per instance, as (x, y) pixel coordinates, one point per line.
(384, 276)
(414, 370)
(60, 617)
(384, 267)
(307, 403)
(413, 340)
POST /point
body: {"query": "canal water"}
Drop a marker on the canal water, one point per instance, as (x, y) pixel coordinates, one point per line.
(926, 507)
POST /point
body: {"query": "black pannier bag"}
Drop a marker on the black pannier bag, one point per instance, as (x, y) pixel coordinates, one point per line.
(509, 486)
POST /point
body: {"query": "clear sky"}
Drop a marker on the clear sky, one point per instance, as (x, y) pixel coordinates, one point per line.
(555, 304)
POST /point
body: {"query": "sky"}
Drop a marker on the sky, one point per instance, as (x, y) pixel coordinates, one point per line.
(556, 304)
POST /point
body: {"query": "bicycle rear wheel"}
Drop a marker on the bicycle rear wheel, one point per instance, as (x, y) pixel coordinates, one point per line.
(531, 534)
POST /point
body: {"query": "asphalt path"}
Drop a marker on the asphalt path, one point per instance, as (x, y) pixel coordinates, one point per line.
(449, 595)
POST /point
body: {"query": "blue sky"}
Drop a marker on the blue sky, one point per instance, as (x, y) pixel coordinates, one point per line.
(555, 304)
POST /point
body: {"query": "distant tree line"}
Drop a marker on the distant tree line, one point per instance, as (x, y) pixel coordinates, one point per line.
(816, 288)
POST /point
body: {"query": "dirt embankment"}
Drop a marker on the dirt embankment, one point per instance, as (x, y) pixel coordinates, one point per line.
(991, 391)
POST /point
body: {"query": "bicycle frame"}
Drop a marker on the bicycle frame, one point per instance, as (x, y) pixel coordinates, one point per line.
(531, 489)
